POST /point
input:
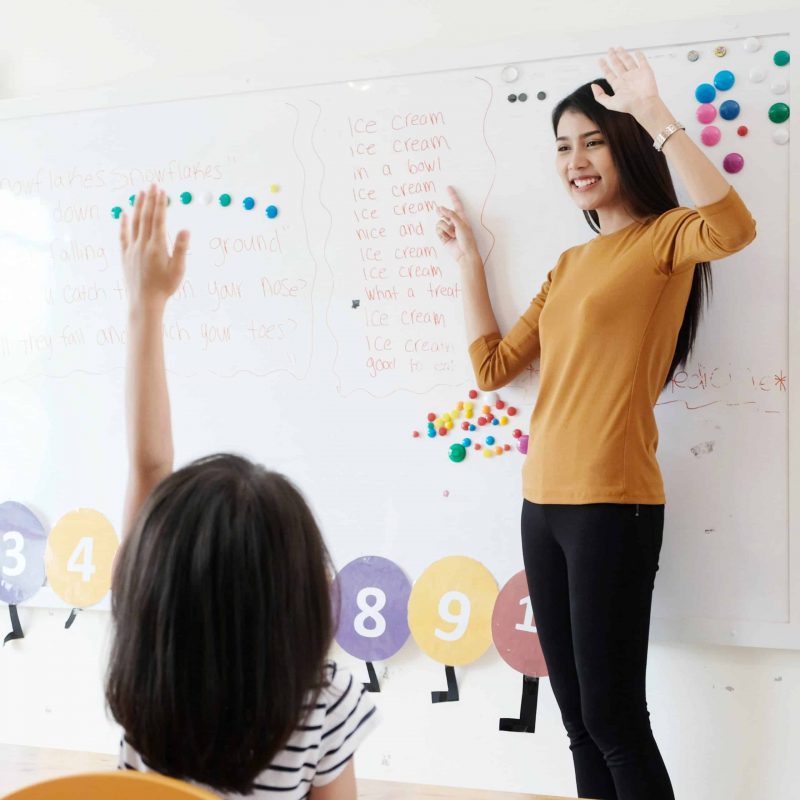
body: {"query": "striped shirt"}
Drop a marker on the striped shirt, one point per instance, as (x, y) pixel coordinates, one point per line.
(318, 750)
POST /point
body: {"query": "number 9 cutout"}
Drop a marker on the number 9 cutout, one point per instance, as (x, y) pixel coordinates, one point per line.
(450, 610)
(79, 557)
(372, 597)
(22, 546)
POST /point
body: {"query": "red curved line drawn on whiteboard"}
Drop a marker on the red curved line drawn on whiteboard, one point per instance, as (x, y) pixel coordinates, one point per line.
(494, 160)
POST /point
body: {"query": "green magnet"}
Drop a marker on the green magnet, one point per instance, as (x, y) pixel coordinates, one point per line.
(457, 452)
(116, 211)
(224, 200)
(779, 112)
(186, 198)
(781, 58)
(132, 199)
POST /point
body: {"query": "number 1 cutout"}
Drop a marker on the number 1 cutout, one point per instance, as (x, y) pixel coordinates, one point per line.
(527, 708)
(16, 627)
(451, 695)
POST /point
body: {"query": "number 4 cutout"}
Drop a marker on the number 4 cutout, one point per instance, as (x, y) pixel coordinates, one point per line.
(86, 568)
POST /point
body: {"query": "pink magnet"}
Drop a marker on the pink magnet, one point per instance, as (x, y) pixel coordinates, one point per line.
(733, 162)
(522, 444)
(710, 135)
(706, 113)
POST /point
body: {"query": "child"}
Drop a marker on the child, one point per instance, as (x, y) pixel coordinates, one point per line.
(221, 601)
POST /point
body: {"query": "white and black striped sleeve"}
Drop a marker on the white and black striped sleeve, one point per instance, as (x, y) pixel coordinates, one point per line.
(350, 715)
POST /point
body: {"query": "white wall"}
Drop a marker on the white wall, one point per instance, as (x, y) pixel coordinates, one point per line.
(723, 716)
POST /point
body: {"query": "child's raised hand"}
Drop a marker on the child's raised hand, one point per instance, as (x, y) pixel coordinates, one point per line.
(455, 232)
(631, 78)
(151, 273)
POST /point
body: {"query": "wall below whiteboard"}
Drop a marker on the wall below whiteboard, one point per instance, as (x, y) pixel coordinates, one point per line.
(724, 717)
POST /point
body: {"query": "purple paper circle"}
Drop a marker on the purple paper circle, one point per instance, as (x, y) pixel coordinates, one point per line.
(733, 163)
(706, 113)
(372, 596)
(22, 544)
(710, 135)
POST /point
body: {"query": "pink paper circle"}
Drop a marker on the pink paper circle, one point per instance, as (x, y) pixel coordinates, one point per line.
(706, 113)
(710, 135)
(733, 162)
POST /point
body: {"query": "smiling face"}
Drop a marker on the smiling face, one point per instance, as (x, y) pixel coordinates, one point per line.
(584, 162)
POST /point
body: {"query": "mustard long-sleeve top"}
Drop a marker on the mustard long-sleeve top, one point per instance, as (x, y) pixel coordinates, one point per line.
(605, 325)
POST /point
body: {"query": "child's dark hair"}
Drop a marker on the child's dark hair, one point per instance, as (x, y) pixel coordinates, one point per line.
(646, 188)
(223, 622)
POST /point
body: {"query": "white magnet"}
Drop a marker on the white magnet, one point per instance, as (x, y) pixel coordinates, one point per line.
(757, 74)
(780, 136)
(779, 87)
(208, 198)
(509, 74)
(752, 45)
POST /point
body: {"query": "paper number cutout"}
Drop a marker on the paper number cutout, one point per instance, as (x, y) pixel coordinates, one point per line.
(372, 596)
(22, 546)
(514, 629)
(79, 558)
(450, 610)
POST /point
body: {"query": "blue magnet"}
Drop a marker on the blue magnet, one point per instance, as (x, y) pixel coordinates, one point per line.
(248, 203)
(724, 79)
(431, 434)
(466, 442)
(729, 109)
(495, 421)
(272, 212)
(490, 440)
(705, 93)
(472, 427)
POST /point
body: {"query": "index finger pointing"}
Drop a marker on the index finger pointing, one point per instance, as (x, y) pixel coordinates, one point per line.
(457, 204)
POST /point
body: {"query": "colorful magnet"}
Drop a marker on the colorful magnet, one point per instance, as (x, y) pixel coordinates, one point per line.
(724, 79)
(742, 130)
(733, 163)
(751, 44)
(431, 433)
(371, 596)
(116, 212)
(706, 113)
(466, 442)
(509, 74)
(781, 58)
(779, 112)
(472, 395)
(779, 87)
(729, 109)
(514, 629)
(22, 546)
(490, 440)
(705, 93)
(224, 200)
(512, 98)
(710, 135)
(186, 198)
(248, 203)
(208, 198)
(541, 95)
(522, 97)
(693, 55)
(757, 74)
(78, 558)
(781, 136)
(720, 51)
(488, 452)
(450, 610)
(274, 188)
(272, 212)
(457, 453)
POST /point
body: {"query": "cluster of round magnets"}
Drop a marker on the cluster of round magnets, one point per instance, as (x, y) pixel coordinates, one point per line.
(491, 416)
(729, 109)
(224, 200)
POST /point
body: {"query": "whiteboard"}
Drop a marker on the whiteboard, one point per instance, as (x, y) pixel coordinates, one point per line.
(317, 341)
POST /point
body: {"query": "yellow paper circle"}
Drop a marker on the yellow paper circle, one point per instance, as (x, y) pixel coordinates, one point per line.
(79, 557)
(450, 610)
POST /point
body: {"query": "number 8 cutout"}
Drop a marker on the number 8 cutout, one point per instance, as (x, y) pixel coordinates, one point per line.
(22, 546)
(79, 558)
(371, 594)
(450, 610)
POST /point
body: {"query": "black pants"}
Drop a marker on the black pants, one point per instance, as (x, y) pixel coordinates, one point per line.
(590, 571)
